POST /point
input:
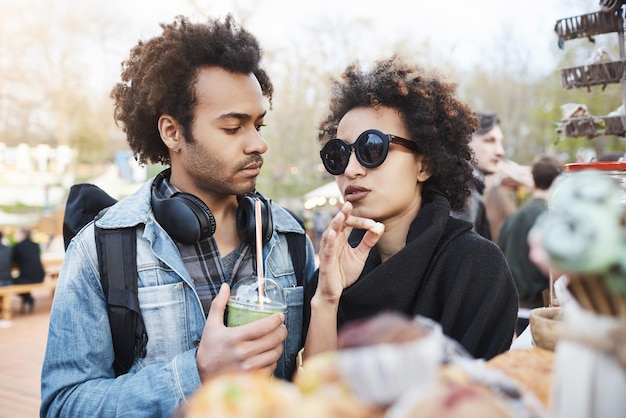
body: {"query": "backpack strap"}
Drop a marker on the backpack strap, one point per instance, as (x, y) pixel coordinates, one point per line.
(117, 255)
(296, 244)
(297, 249)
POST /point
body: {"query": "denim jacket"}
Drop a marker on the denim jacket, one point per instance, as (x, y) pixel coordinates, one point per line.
(77, 377)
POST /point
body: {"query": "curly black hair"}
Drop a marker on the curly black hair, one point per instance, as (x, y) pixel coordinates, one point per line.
(438, 123)
(160, 75)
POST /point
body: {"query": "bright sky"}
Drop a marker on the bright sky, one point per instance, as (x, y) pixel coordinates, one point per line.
(453, 35)
(465, 31)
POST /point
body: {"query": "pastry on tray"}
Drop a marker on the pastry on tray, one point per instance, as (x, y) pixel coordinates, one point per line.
(256, 395)
(389, 366)
(532, 368)
(394, 362)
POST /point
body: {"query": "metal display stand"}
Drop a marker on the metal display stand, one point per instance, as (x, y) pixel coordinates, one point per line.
(610, 19)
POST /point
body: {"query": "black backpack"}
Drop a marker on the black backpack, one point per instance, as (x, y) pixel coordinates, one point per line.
(86, 202)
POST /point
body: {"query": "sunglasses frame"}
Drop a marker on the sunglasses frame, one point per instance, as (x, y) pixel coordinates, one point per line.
(386, 138)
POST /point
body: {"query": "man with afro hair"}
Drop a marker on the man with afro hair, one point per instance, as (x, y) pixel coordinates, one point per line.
(194, 99)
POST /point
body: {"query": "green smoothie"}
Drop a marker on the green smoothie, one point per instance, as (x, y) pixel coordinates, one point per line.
(249, 301)
(243, 313)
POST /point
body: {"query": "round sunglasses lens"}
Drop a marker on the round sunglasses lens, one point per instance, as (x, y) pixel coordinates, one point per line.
(372, 150)
(336, 157)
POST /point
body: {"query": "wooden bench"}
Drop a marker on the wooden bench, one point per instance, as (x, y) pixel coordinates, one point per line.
(52, 266)
(7, 292)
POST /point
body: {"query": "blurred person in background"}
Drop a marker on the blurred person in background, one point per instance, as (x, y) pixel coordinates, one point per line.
(320, 222)
(27, 259)
(6, 262)
(488, 151)
(499, 202)
(529, 279)
(505, 191)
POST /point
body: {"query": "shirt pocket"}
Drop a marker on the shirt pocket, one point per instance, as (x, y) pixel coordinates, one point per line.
(164, 314)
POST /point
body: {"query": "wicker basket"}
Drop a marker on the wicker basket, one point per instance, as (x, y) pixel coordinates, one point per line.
(615, 125)
(592, 75)
(593, 127)
(610, 5)
(589, 25)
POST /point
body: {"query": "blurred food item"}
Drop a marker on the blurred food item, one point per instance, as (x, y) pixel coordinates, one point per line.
(453, 373)
(385, 328)
(234, 395)
(389, 366)
(379, 358)
(584, 232)
(392, 361)
(321, 370)
(584, 236)
(532, 368)
(451, 400)
(321, 380)
(255, 395)
(334, 404)
(382, 356)
(544, 324)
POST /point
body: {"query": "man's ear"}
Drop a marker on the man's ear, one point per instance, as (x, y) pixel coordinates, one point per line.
(171, 132)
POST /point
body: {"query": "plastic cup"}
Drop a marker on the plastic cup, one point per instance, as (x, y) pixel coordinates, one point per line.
(245, 305)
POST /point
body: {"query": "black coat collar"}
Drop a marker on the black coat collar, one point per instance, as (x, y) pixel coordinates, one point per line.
(394, 285)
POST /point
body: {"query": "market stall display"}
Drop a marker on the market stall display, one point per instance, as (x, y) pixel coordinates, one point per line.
(388, 366)
(600, 69)
(584, 237)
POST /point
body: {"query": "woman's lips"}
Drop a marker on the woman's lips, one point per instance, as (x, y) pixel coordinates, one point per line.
(355, 193)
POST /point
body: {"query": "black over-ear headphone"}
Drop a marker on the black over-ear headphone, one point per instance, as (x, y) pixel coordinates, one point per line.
(246, 221)
(187, 219)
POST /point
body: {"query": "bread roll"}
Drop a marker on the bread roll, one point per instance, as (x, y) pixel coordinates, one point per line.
(532, 368)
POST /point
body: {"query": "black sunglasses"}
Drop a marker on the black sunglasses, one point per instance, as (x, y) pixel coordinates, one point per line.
(371, 148)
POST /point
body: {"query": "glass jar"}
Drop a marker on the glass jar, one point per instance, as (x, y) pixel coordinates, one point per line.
(614, 169)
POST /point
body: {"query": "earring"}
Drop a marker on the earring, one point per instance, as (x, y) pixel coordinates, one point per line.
(176, 148)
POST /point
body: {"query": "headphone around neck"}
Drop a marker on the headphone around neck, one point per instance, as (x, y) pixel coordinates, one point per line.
(187, 219)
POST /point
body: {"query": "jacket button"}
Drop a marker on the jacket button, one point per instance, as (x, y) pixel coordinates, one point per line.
(196, 343)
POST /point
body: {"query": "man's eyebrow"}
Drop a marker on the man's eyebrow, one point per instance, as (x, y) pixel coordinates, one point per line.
(240, 116)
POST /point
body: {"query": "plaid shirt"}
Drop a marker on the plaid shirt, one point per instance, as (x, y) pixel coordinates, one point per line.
(206, 266)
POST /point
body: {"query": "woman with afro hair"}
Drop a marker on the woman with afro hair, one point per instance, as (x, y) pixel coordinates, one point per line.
(396, 140)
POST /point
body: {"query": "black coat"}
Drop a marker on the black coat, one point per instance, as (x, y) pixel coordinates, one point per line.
(446, 272)
(27, 259)
(6, 254)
